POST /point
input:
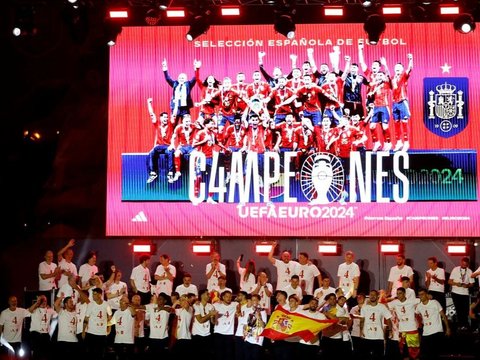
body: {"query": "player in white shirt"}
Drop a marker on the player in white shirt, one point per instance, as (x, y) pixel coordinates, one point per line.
(247, 275)
(214, 270)
(407, 324)
(47, 274)
(182, 348)
(323, 291)
(355, 331)
(285, 267)
(224, 326)
(11, 324)
(309, 350)
(67, 342)
(256, 321)
(219, 289)
(372, 326)
(432, 316)
(396, 273)
(165, 275)
(96, 323)
(294, 288)
(244, 309)
(41, 319)
(187, 287)
(204, 313)
(157, 314)
(116, 291)
(307, 272)
(348, 275)
(140, 279)
(70, 289)
(265, 290)
(461, 281)
(140, 342)
(88, 270)
(332, 337)
(65, 263)
(409, 292)
(124, 320)
(435, 281)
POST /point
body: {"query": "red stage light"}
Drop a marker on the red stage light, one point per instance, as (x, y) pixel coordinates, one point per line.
(392, 10)
(118, 14)
(142, 248)
(449, 10)
(328, 248)
(263, 248)
(333, 11)
(202, 247)
(457, 249)
(177, 13)
(230, 11)
(390, 248)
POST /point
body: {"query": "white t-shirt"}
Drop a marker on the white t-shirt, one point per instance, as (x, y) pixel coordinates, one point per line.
(354, 313)
(80, 311)
(67, 326)
(285, 272)
(41, 319)
(67, 291)
(291, 291)
(410, 294)
(86, 272)
(12, 322)
(66, 266)
(184, 319)
(158, 322)
(395, 277)
(183, 290)
(320, 294)
(462, 276)
(202, 329)
(405, 313)
(308, 273)
(253, 334)
(124, 326)
(431, 318)
(248, 285)
(373, 317)
(212, 283)
(98, 317)
(226, 318)
(245, 311)
(166, 285)
(141, 277)
(265, 300)
(46, 269)
(118, 289)
(435, 285)
(346, 273)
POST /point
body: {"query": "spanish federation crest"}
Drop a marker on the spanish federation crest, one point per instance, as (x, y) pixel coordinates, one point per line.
(445, 105)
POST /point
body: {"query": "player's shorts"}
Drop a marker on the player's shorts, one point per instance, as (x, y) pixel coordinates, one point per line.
(315, 116)
(401, 110)
(278, 118)
(224, 118)
(186, 149)
(381, 114)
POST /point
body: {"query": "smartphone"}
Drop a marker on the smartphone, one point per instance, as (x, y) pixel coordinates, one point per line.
(241, 257)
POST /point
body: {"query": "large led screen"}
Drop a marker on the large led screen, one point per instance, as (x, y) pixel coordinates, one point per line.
(334, 137)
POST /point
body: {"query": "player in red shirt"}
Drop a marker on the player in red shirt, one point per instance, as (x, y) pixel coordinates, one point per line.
(401, 108)
(208, 87)
(303, 144)
(326, 136)
(286, 132)
(205, 141)
(181, 144)
(278, 95)
(370, 74)
(258, 88)
(332, 93)
(233, 140)
(163, 135)
(241, 88)
(381, 89)
(227, 99)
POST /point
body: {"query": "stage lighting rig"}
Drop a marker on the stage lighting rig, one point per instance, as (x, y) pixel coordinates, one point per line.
(464, 23)
(374, 26)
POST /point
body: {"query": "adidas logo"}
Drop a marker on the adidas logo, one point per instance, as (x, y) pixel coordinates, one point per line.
(140, 217)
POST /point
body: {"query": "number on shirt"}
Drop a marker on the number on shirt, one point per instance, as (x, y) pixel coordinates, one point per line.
(14, 320)
(119, 321)
(372, 317)
(402, 310)
(100, 315)
(346, 275)
(426, 314)
(301, 274)
(44, 318)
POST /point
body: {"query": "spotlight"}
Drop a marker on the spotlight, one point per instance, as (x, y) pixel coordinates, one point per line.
(199, 26)
(284, 25)
(374, 26)
(111, 33)
(163, 4)
(464, 23)
(367, 4)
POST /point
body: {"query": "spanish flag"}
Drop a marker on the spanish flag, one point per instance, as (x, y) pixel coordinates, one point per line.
(284, 324)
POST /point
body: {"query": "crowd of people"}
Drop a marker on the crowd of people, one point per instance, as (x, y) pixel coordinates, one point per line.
(306, 110)
(147, 317)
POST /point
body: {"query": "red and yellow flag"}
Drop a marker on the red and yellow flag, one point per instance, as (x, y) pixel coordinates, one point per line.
(284, 324)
